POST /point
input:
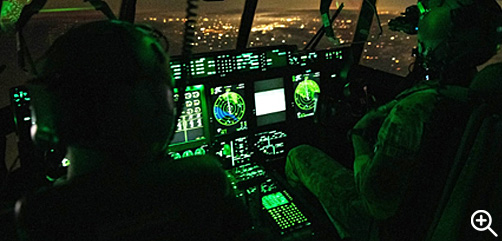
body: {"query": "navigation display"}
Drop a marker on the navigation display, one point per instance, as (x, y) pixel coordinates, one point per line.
(306, 91)
(191, 122)
(270, 101)
(229, 108)
(270, 144)
(234, 152)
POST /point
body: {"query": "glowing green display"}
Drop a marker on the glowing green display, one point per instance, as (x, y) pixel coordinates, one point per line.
(305, 94)
(229, 108)
(285, 214)
(274, 200)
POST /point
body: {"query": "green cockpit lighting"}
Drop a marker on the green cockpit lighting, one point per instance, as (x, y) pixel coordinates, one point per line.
(60, 10)
(65, 162)
(421, 8)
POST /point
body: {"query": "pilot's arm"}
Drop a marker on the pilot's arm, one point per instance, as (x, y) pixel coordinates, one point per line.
(382, 170)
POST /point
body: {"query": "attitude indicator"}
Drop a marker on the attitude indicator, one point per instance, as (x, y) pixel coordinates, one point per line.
(307, 90)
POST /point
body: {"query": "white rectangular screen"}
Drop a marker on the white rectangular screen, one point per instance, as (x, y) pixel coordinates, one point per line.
(270, 101)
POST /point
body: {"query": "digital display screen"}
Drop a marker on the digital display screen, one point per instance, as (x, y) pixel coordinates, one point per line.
(270, 101)
(270, 143)
(247, 61)
(274, 200)
(176, 69)
(235, 152)
(191, 122)
(229, 108)
(306, 92)
(203, 67)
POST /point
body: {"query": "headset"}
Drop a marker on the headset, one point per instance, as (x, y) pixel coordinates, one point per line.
(485, 17)
(464, 15)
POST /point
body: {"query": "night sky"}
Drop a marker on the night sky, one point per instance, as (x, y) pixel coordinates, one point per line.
(179, 5)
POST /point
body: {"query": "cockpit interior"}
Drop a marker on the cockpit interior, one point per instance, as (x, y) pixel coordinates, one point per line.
(260, 77)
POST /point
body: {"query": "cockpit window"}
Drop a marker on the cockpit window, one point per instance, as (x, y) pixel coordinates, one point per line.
(296, 22)
(42, 29)
(389, 51)
(217, 23)
(56, 18)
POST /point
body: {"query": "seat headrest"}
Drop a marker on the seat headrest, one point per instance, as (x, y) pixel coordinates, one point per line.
(488, 80)
(487, 84)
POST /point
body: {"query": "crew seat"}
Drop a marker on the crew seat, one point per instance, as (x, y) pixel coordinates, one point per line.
(475, 180)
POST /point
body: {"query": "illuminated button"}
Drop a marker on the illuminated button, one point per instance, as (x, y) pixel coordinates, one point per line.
(175, 155)
(187, 153)
(200, 151)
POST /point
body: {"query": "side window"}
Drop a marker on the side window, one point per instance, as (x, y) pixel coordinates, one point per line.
(56, 18)
(52, 21)
(389, 51)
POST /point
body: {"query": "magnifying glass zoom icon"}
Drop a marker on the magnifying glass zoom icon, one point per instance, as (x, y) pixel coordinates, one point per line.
(480, 217)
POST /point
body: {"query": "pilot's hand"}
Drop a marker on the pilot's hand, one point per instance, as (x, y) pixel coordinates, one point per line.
(374, 117)
(330, 34)
(334, 40)
(364, 133)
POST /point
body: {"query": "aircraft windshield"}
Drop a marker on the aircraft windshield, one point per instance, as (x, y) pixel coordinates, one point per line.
(217, 23)
(296, 22)
(276, 22)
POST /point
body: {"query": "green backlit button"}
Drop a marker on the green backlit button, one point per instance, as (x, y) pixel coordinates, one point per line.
(200, 152)
(227, 150)
(187, 153)
(175, 155)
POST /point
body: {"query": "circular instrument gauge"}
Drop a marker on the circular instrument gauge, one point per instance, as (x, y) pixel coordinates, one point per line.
(229, 108)
(305, 94)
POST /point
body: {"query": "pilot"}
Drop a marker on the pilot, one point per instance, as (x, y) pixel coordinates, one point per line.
(403, 149)
(104, 94)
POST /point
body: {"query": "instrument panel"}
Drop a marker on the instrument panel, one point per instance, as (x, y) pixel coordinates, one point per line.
(249, 99)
